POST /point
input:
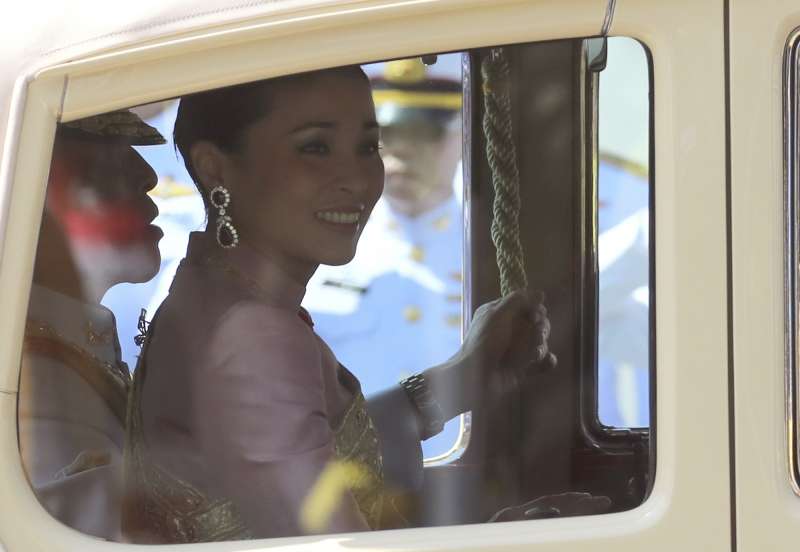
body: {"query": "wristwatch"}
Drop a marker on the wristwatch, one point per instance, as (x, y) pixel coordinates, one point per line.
(429, 413)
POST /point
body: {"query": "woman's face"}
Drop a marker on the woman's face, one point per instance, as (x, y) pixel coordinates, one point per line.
(309, 173)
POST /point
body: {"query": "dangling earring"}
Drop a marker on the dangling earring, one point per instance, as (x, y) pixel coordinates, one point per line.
(227, 235)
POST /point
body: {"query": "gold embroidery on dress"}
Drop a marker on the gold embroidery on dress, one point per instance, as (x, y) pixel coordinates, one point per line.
(356, 441)
(163, 508)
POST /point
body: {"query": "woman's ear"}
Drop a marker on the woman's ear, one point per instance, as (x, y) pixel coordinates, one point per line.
(208, 162)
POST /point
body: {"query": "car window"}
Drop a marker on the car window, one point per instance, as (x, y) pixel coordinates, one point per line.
(623, 189)
(366, 297)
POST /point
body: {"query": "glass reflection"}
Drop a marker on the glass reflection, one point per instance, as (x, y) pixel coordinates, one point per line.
(96, 231)
(244, 418)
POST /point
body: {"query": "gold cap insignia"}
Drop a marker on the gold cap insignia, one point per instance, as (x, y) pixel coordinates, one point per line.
(406, 92)
(453, 320)
(412, 314)
(118, 126)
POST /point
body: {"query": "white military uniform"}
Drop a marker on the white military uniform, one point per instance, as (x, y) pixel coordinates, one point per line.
(623, 344)
(71, 412)
(395, 310)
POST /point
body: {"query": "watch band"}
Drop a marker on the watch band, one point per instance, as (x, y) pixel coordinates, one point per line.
(429, 412)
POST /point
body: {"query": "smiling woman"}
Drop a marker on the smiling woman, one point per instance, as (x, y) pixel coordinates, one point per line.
(242, 423)
(278, 169)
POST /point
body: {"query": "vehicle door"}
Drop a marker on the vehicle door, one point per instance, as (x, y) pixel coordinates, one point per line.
(763, 67)
(668, 473)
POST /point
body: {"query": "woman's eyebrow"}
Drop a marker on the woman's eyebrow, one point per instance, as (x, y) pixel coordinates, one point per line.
(314, 124)
(328, 125)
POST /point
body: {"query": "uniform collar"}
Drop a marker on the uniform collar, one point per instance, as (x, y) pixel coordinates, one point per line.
(90, 327)
(441, 217)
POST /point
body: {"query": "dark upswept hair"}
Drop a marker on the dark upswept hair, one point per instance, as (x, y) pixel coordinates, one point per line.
(223, 115)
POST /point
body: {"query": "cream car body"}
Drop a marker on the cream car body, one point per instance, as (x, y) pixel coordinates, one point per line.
(722, 479)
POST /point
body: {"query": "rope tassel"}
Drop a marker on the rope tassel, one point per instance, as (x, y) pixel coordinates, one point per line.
(502, 159)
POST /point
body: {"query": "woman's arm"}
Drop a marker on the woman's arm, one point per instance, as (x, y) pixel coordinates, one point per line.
(263, 423)
(395, 420)
(506, 337)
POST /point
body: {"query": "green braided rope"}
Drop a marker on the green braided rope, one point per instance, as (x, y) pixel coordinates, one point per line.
(501, 155)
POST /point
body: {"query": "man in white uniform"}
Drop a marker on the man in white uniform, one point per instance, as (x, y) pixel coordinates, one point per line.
(624, 313)
(96, 232)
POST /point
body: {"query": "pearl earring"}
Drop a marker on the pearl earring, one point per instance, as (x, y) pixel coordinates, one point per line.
(227, 235)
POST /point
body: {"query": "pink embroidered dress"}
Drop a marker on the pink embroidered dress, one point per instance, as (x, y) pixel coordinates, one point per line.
(239, 409)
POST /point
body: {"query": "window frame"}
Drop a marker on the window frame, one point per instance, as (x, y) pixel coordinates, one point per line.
(791, 116)
(595, 431)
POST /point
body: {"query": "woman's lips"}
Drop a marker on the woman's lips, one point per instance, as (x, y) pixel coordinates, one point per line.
(346, 216)
(339, 217)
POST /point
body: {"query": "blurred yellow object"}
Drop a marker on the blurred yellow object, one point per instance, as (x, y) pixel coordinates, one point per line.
(406, 71)
(168, 187)
(325, 496)
(412, 314)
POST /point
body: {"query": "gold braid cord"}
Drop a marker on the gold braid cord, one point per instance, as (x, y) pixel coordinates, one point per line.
(501, 155)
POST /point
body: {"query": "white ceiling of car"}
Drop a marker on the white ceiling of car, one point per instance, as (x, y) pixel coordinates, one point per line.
(35, 34)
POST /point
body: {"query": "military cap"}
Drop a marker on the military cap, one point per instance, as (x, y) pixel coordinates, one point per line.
(405, 93)
(117, 127)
